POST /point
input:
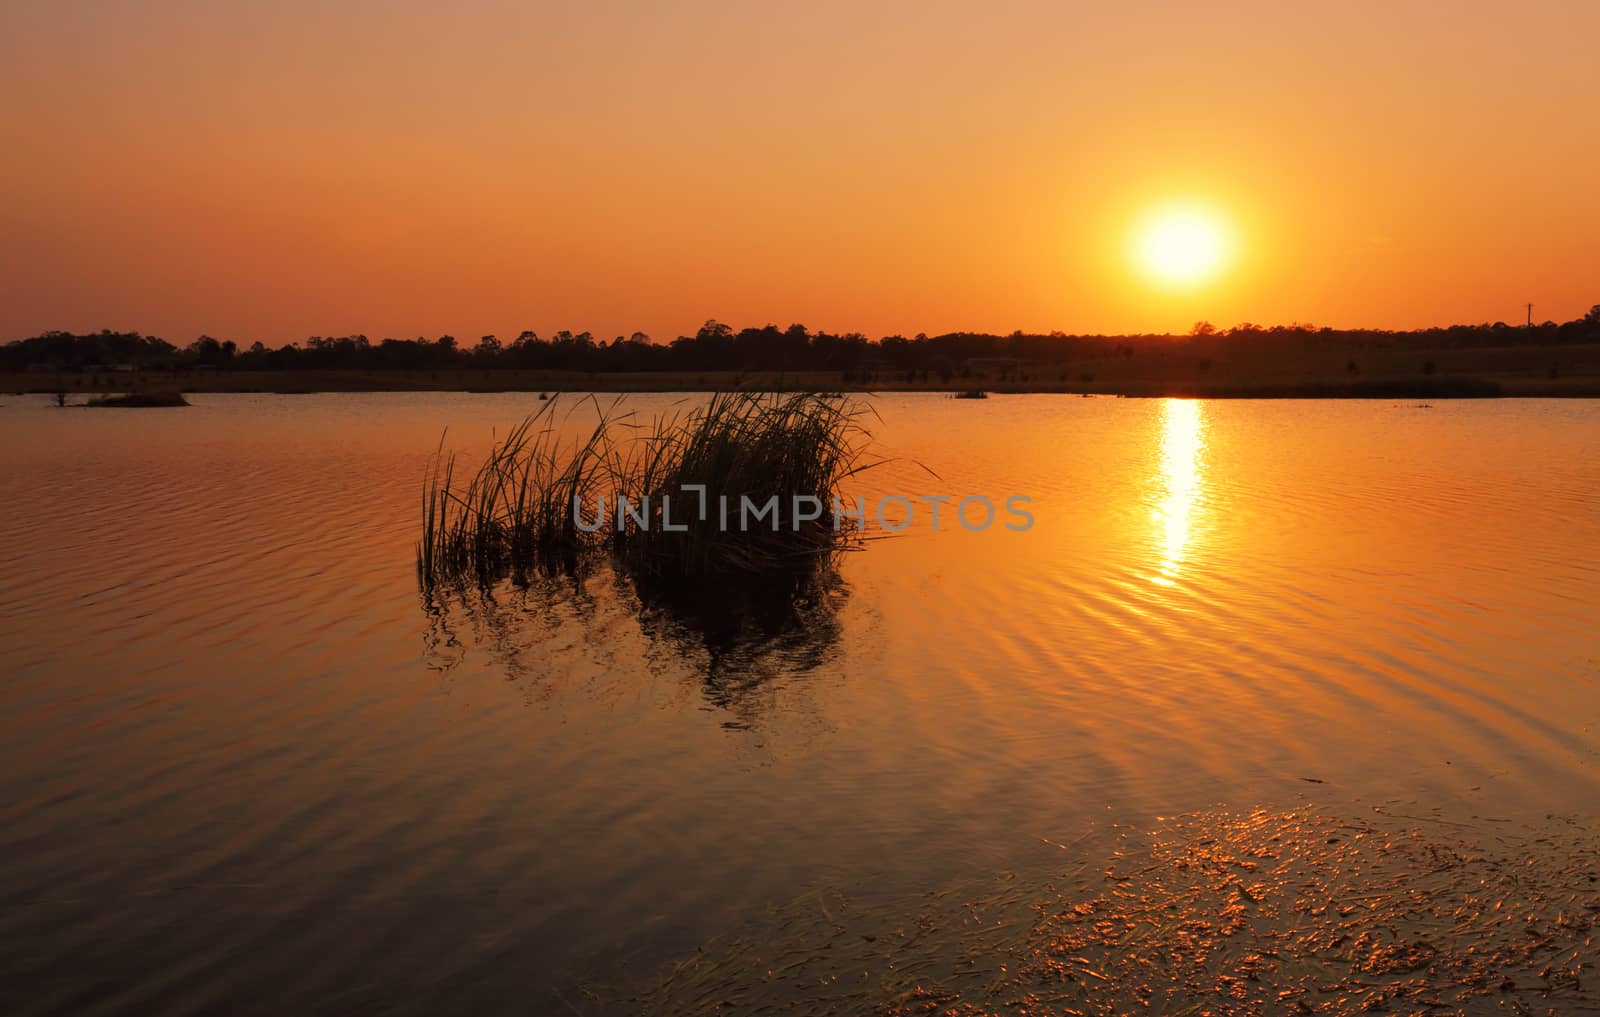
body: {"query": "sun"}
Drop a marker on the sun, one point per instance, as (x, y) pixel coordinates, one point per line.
(1182, 245)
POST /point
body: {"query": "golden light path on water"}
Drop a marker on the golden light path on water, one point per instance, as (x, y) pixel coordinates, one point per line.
(1182, 480)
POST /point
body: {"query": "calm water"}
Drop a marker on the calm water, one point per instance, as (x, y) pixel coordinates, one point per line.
(242, 769)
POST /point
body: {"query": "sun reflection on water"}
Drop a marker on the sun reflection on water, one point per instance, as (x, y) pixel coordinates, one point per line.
(1182, 482)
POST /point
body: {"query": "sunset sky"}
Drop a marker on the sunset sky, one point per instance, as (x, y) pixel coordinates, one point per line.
(273, 170)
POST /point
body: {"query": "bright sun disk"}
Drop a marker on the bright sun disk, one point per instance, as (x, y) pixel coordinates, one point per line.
(1182, 246)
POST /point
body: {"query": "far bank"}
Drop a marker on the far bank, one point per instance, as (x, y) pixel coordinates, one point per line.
(1558, 371)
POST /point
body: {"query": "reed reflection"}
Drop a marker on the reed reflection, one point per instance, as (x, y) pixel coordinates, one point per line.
(733, 639)
(741, 637)
(1181, 483)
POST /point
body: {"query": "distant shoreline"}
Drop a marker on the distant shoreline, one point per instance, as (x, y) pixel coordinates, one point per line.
(1419, 386)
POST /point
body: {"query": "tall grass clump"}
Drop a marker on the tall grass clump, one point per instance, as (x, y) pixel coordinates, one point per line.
(750, 454)
(668, 501)
(515, 513)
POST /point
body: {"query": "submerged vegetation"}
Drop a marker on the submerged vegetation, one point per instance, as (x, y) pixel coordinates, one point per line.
(655, 498)
(1304, 910)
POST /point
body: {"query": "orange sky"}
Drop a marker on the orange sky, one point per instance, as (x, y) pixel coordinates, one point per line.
(270, 170)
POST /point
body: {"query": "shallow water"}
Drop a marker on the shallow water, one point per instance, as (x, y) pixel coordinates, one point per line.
(244, 769)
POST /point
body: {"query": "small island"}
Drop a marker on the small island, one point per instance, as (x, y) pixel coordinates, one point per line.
(140, 400)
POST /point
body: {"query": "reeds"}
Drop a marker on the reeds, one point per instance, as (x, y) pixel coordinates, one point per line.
(515, 513)
(666, 500)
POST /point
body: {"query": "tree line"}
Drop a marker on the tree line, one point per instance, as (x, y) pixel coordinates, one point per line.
(719, 347)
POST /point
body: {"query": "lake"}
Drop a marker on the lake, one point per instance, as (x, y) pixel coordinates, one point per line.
(245, 767)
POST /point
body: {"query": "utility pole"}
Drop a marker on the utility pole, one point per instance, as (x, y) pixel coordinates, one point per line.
(1530, 317)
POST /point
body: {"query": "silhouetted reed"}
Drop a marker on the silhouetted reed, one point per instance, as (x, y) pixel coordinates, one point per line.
(515, 513)
(664, 499)
(739, 449)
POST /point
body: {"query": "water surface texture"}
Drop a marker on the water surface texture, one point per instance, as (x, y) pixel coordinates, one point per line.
(245, 768)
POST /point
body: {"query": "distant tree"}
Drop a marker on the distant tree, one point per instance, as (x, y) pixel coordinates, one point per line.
(211, 352)
(714, 330)
(205, 346)
(719, 347)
